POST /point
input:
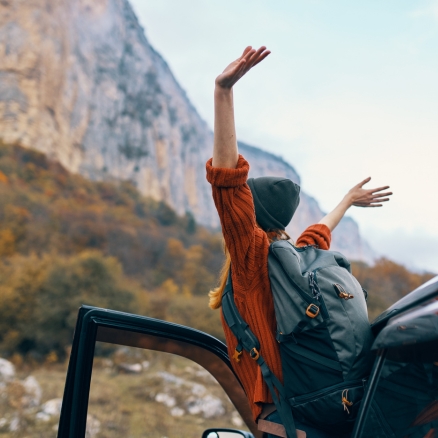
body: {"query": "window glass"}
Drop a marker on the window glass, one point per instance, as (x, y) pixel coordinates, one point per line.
(406, 401)
(137, 393)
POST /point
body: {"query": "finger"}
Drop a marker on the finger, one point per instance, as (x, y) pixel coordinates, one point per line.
(259, 51)
(380, 200)
(262, 57)
(362, 183)
(377, 195)
(254, 57)
(378, 189)
(258, 60)
(249, 53)
(366, 205)
(373, 200)
(246, 55)
(247, 49)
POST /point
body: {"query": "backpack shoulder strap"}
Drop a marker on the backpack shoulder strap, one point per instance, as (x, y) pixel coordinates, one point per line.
(249, 342)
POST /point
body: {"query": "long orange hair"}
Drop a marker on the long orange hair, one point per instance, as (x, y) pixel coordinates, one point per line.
(216, 294)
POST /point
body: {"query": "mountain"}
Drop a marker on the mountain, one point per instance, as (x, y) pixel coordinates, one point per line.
(80, 82)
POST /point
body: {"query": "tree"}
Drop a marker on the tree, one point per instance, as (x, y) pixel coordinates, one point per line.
(41, 297)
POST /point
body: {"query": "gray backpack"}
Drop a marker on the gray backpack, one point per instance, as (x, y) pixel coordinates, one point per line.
(323, 333)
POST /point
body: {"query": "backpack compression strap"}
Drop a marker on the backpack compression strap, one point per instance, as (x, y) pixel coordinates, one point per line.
(248, 341)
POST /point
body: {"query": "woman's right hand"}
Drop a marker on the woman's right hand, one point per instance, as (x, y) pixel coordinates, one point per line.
(233, 72)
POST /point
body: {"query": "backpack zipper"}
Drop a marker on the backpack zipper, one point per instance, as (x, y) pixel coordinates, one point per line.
(316, 291)
(295, 401)
(314, 288)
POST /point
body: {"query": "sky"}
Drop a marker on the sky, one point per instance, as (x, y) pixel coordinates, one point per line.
(349, 91)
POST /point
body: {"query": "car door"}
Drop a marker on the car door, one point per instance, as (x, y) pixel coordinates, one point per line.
(150, 378)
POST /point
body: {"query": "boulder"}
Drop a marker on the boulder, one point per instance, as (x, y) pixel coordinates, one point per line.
(207, 406)
(130, 368)
(166, 399)
(49, 409)
(7, 371)
(93, 427)
(33, 392)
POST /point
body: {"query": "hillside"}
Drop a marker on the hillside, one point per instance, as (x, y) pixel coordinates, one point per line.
(80, 82)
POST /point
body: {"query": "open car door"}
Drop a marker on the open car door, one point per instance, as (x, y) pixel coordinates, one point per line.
(100, 328)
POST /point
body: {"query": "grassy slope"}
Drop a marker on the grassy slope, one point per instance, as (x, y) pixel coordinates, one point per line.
(124, 404)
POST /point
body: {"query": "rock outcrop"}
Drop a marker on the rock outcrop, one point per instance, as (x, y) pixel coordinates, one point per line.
(80, 82)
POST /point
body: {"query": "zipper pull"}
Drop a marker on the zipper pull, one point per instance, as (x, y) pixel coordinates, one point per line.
(342, 293)
(313, 285)
(347, 404)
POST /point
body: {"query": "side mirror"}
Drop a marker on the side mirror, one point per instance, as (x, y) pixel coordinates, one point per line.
(226, 433)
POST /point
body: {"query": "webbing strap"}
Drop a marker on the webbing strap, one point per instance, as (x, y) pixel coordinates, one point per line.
(236, 323)
(280, 401)
(250, 342)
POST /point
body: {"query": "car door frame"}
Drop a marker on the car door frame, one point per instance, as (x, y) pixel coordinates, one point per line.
(96, 324)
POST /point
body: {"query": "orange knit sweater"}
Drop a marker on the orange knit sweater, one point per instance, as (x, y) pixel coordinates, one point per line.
(248, 246)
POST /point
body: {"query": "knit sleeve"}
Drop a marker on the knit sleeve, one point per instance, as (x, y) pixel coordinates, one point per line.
(318, 234)
(233, 199)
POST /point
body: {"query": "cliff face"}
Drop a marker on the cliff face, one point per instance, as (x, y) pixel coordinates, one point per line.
(80, 82)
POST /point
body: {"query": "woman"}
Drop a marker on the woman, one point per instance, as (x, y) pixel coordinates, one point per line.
(253, 213)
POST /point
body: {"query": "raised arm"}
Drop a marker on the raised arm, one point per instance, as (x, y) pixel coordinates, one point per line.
(359, 197)
(225, 153)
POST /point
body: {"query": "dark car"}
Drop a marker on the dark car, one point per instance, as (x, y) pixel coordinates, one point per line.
(401, 396)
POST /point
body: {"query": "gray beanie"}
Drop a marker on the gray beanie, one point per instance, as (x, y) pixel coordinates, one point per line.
(275, 200)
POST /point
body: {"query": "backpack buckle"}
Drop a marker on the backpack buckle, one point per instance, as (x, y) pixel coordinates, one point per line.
(254, 354)
(312, 311)
(237, 353)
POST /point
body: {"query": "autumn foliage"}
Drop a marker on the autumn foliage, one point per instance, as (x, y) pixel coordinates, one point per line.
(67, 241)
(386, 283)
(64, 240)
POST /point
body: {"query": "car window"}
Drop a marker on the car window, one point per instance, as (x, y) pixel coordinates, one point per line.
(138, 392)
(405, 401)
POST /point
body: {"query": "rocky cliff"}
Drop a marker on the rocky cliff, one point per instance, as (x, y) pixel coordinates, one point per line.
(80, 82)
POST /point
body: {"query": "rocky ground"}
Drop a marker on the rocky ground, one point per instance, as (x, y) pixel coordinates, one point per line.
(133, 394)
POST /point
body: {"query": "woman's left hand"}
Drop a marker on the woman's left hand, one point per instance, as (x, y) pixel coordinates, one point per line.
(360, 197)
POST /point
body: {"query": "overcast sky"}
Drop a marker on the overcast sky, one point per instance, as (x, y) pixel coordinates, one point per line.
(349, 91)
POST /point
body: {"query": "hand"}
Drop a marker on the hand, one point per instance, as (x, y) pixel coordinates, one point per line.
(250, 57)
(360, 197)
